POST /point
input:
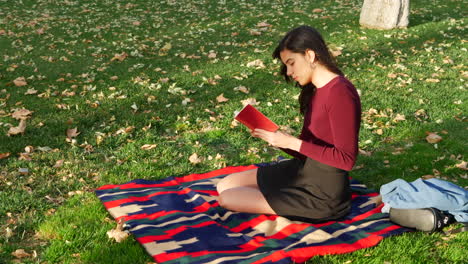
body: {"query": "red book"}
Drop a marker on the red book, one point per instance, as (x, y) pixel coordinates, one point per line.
(253, 119)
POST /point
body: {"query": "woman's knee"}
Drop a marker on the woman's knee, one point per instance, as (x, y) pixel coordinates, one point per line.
(221, 186)
(222, 200)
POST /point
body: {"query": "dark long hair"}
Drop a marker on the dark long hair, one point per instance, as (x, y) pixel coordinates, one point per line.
(299, 40)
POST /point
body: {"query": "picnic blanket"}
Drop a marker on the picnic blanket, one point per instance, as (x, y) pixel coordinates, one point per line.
(178, 220)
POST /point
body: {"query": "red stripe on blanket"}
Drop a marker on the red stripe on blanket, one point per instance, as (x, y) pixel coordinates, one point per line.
(300, 255)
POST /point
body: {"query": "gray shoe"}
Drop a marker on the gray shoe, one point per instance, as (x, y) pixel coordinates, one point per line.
(424, 219)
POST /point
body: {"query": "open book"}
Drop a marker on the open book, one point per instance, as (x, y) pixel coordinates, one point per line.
(252, 118)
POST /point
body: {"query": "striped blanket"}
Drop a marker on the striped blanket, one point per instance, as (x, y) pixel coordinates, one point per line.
(178, 220)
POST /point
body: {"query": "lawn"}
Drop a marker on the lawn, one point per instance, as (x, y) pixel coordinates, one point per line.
(122, 90)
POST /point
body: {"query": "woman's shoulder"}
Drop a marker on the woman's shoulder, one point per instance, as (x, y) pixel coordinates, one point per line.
(342, 88)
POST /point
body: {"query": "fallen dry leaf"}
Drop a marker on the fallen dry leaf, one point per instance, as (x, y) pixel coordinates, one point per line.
(462, 165)
(194, 159)
(242, 89)
(21, 114)
(336, 52)
(148, 146)
(126, 130)
(364, 152)
(31, 91)
(163, 51)
(427, 177)
(117, 233)
(58, 164)
(8, 233)
(72, 132)
(317, 10)
(120, 57)
(17, 130)
(20, 81)
(433, 137)
(20, 253)
(4, 155)
(221, 98)
(257, 64)
(212, 55)
(250, 101)
(399, 117)
(263, 24)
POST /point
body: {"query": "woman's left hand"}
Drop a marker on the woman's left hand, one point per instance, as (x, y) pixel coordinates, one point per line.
(278, 139)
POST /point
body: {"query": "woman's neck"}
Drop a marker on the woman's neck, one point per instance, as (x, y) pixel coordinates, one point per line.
(321, 76)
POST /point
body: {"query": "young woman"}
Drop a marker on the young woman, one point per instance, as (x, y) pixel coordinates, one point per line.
(314, 185)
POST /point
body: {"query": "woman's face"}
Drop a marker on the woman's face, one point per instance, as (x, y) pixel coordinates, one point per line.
(298, 65)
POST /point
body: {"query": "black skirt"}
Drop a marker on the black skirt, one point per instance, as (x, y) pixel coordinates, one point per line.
(307, 191)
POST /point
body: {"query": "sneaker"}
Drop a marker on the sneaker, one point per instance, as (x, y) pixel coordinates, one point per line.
(424, 219)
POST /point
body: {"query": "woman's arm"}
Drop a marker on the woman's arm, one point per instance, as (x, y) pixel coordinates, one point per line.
(344, 115)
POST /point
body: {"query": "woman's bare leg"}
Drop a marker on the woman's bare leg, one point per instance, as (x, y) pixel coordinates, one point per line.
(238, 179)
(245, 199)
(239, 192)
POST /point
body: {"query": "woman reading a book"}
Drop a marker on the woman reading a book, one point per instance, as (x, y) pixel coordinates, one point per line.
(314, 185)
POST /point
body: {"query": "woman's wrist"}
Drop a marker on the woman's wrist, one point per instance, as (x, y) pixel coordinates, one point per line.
(295, 144)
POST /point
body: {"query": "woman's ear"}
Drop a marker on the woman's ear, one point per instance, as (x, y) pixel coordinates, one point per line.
(310, 55)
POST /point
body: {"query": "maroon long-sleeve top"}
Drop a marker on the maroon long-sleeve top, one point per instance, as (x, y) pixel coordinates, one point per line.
(331, 125)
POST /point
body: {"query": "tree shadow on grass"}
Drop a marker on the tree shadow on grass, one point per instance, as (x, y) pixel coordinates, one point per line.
(420, 14)
(415, 157)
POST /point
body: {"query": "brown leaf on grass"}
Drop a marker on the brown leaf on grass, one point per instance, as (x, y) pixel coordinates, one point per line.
(30, 91)
(118, 234)
(433, 137)
(257, 64)
(8, 233)
(165, 49)
(462, 165)
(20, 253)
(4, 155)
(125, 130)
(148, 146)
(212, 55)
(17, 130)
(58, 164)
(263, 24)
(136, 23)
(21, 114)
(72, 132)
(250, 101)
(221, 98)
(20, 81)
(432, 80)
(120, 57)
(194, 159)
(337, 52)
(24, 156)
(242, 89)
(364, 152)
(392, 75)
(399, 117)
(317, 10)
(427, 177)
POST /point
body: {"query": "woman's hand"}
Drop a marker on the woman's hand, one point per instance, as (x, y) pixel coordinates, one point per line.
(278, 139)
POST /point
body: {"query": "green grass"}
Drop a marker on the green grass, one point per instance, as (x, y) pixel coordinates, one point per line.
(62, 47)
